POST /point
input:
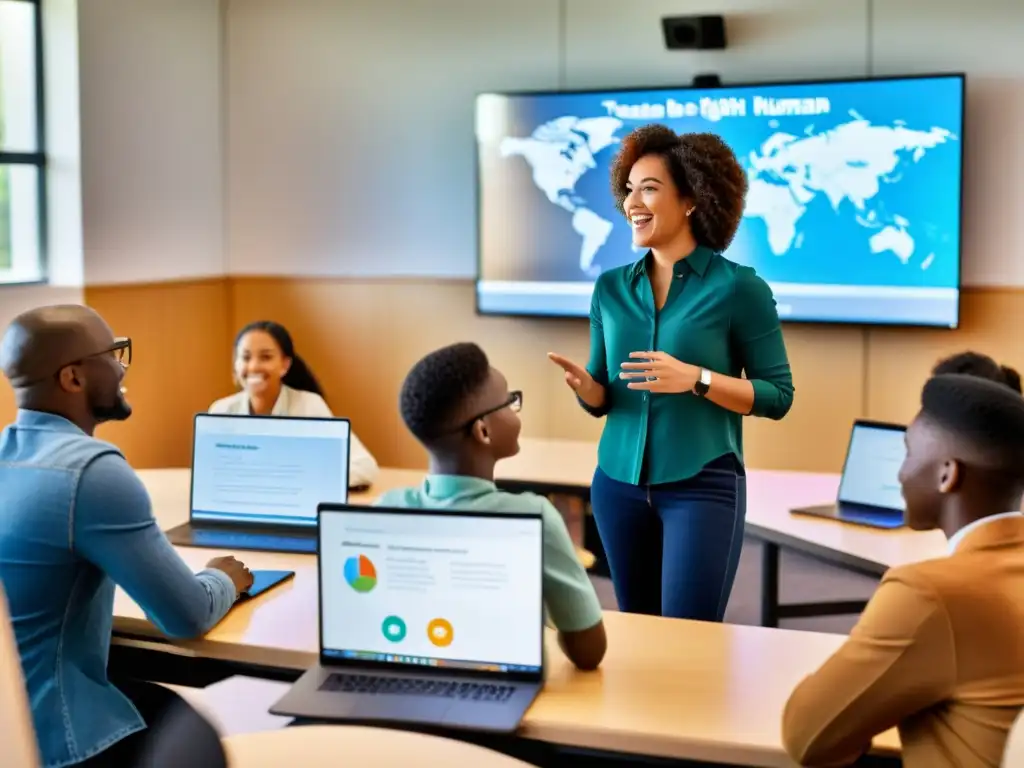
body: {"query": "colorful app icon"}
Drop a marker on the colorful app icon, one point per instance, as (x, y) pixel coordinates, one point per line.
(440, 632)
(393, 629)
(360, 573)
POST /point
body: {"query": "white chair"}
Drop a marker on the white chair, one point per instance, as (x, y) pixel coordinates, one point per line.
(17, 734)
(1013, 757)
(237, 704)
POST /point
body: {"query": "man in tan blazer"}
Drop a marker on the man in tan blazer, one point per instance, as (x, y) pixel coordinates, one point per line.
(939, 650)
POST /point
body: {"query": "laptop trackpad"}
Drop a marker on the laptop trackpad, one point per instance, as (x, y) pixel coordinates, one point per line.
(429, 709)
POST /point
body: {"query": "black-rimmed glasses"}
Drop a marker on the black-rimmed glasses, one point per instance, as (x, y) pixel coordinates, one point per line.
(515, 402)
(120, 350)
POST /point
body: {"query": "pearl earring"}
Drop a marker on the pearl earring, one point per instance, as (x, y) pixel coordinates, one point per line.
(689, 212)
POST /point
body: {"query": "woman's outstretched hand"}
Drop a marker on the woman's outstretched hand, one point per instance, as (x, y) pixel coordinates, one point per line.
(580, 381)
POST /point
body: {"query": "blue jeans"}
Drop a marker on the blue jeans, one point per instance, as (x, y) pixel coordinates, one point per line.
(673, 548)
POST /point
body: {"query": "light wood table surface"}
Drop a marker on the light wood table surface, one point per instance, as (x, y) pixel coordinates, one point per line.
(669, 688)
(567, 466)
(672, 688)
(770, 496)
(328, 746)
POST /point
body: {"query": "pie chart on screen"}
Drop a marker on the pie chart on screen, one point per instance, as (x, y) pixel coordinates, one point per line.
(360, 573)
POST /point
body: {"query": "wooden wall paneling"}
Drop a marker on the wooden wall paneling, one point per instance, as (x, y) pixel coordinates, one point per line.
(181, 363)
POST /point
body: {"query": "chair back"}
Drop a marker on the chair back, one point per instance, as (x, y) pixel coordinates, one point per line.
(17, 734)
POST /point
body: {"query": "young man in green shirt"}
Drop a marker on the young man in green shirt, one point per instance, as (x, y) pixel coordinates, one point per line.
(461, 410)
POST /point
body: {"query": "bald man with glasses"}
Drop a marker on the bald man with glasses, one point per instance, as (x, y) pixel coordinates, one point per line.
(75, 521)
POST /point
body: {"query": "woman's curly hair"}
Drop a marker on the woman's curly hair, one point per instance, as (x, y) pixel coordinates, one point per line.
(703, 168)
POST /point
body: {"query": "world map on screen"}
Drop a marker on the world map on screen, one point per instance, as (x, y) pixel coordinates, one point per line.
(848, 165)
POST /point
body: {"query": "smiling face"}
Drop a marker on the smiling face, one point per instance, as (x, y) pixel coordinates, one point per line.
(653, 204)
(260, 365)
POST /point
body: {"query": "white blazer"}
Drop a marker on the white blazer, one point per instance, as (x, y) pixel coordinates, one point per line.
(363, 469)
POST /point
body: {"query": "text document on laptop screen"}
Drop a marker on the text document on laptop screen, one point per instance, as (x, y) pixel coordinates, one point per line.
(438, 590)
(871, 473)
(266, 470)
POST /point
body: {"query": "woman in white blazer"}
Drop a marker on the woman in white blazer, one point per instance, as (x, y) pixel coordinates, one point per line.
(277, 382)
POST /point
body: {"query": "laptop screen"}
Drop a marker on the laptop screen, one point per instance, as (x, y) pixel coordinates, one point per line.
(436, 589)
(264, 470)
(871, 474)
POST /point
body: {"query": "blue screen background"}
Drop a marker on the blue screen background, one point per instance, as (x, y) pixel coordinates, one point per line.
(525, 236)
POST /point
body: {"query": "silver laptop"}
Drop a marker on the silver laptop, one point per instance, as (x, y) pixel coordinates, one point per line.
(427, 617)
(869, 491)
(257, 481)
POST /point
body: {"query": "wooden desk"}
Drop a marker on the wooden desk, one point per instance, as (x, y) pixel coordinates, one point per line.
(549, 466)
(327, 746)
(567, 466)
(671, 688)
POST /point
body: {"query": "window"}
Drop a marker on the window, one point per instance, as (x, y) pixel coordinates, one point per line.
(22, 156)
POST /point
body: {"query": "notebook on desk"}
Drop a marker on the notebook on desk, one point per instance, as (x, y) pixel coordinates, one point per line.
(428, 617)
(869, 490)
(257, 481)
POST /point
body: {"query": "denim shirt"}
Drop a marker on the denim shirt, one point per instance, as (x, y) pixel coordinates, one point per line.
(74, 521)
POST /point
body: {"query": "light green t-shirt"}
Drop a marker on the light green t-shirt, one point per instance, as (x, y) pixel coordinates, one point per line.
(569, 597)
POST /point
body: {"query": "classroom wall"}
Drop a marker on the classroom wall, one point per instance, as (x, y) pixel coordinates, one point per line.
(151, 140)
(346, 207)
(64, 221)
(342, 184)
(152, 156)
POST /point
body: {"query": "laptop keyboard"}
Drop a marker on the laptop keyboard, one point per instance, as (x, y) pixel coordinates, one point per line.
(416, 686)
(271, 542)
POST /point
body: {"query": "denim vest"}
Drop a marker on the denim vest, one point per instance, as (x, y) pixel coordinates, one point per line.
(61, 605)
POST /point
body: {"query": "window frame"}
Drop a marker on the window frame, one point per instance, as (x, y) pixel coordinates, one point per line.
(37, 158)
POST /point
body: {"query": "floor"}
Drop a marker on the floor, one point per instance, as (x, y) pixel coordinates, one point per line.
(802, 580)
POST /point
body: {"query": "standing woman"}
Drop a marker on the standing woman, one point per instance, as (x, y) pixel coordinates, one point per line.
(275, 381)
(671, 336)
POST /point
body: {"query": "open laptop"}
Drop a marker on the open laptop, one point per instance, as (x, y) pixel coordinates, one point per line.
(257, 481)
(869, 491)
(428, 617)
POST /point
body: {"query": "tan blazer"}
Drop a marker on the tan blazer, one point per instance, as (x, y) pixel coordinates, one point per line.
(939, 651)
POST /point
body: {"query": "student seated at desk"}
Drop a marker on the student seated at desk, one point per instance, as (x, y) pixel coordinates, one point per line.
(461, 410)
(275, 381)
(977, 364)
(74, 521)
(939, 649)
